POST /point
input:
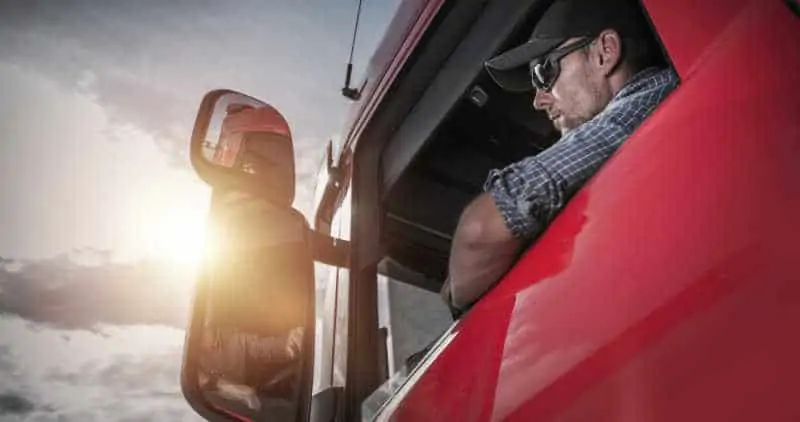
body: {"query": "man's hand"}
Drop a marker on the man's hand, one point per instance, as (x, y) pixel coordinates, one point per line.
(483, 250)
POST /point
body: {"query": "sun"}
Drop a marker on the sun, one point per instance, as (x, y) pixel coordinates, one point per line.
(178, 237)
(167, 221)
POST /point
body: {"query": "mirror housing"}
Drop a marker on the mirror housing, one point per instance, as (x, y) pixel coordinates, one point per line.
(249, 348)
(241, 143)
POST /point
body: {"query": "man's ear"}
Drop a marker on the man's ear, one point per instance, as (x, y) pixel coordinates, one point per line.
(609, 51)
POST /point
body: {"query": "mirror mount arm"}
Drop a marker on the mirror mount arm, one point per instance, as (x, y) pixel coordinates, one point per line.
(330, 250)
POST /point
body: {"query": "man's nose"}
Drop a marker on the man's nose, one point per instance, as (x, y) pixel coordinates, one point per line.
(541, 99)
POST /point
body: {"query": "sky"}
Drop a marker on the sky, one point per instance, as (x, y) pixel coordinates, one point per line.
(102, 217)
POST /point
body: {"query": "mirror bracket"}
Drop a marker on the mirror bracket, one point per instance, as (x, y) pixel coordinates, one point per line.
(330, 250)
(331, 196)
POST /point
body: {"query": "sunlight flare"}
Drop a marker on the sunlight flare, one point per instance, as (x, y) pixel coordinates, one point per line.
(178, 238)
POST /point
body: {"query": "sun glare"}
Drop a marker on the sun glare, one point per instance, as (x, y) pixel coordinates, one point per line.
(171, 225)
(178, 238)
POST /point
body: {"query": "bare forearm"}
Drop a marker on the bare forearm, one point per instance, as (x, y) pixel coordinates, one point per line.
(483, 250)
(475, 269)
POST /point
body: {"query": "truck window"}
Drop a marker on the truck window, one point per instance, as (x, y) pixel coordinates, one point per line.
(488, 128)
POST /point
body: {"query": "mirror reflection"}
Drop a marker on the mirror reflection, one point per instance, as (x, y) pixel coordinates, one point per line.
(251, 138)
(254, 345)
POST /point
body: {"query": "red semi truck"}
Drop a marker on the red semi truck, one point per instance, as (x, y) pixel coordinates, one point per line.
(668, 288)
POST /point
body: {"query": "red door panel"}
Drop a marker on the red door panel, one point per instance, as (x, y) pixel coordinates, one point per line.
(689, 29)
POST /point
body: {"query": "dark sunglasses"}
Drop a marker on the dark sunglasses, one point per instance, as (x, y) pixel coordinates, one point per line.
(545, 70)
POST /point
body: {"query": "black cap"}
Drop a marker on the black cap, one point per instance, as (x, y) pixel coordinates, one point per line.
(563, 20)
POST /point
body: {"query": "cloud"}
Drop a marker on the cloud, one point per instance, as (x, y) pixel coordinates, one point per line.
(92, 85)
(83, 290)
(72, 177)
(94, 341)
(150, 65)
(130, 373)
(11, 404)
(60, 293)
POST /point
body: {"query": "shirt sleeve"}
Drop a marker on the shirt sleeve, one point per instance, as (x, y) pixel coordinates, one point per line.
(530, 192)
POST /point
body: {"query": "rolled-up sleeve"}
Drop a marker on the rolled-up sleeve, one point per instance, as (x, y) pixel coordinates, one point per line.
(530, 192)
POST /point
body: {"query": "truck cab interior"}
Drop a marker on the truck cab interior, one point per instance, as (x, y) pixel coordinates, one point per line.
(460, 126)
(486, 129)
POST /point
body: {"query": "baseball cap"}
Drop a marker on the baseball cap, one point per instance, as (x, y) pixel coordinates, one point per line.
(564, 19)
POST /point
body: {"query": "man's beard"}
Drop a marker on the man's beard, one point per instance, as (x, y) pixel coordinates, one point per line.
(565, 124)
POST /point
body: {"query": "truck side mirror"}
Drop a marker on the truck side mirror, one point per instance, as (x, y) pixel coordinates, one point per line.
(249, 348)
(242, 143)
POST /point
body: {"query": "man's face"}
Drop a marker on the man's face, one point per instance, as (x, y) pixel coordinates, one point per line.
(578, 93)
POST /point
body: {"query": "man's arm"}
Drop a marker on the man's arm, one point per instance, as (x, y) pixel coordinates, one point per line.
(522, 198)
(483, 250)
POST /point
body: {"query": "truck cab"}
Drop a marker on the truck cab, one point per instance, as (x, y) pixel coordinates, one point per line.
(666, 289)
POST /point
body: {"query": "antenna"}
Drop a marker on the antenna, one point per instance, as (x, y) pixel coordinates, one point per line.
(347, 91)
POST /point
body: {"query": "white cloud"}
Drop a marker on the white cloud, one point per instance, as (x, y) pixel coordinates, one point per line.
(61, 293)
(151, 65)
(126, 373)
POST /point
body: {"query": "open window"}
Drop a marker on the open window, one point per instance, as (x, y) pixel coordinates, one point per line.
(488, 128)
(482, 128)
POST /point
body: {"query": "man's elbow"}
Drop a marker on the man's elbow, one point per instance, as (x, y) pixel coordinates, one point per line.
(481, 225)
(483, 249)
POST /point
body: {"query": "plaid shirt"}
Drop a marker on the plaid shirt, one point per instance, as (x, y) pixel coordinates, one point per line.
(530, 192)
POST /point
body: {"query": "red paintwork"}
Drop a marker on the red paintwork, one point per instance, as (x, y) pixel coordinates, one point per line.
(690, 30)
(234, 415)
(669, 287)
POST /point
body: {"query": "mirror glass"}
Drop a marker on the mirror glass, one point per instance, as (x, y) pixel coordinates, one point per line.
(251, 140)
(250, 343)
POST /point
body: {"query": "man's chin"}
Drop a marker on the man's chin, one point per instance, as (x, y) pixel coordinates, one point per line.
(558, 123)
(562, 128)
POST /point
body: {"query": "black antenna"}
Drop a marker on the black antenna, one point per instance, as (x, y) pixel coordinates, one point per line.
(347, 91)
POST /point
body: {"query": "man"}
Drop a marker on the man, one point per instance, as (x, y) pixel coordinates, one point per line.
(593, 67)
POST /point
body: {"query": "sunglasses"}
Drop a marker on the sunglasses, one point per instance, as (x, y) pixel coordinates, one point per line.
(545, 70)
